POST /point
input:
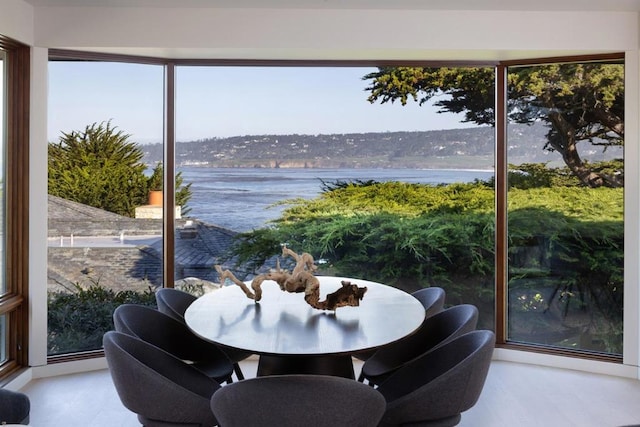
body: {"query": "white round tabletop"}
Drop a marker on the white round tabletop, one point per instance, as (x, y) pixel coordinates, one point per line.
(282, 323)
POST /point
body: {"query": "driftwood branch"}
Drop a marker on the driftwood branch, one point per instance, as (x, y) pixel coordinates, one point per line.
(301, 279)
(227, 275)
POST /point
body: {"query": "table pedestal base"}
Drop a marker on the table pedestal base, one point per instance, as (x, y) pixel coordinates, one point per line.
(337, 366)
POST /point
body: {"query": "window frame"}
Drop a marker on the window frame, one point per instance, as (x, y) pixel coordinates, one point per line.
(502, 233)
(14, 303)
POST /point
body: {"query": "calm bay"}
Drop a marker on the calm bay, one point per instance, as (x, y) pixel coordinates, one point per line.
(242, 199)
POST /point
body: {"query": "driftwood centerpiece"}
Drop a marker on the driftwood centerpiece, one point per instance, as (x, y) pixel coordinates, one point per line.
(301, 279)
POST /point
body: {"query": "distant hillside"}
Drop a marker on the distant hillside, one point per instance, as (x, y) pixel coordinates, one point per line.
(453, 148)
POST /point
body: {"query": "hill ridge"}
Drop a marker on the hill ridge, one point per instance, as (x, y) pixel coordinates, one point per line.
(465, 148)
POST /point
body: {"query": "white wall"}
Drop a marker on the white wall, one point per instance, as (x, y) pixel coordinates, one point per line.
(335, 34)
(631, 351)
(37, 200)
(16, 20)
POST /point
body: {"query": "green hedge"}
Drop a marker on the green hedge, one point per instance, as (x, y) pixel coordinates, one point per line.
(78, 319)
(415, 235)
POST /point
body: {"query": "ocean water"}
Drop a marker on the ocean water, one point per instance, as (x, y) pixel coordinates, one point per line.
(243, 199)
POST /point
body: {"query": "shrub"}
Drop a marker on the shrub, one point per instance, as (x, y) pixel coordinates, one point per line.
(565, 244)
(101, 167)
(78, 319)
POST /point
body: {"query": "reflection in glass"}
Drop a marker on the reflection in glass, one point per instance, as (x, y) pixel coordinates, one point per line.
(565, 218)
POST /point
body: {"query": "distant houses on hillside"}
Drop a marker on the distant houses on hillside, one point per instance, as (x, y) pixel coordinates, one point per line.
(467, 148)
(441, 148)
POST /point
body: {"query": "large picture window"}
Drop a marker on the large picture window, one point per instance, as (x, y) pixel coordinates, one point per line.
(391, 184)
(376, 191)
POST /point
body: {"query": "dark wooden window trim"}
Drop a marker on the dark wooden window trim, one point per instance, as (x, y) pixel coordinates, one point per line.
(616, 56)
(168, 237)
(15, 302)
(501, 234)
(501, 158)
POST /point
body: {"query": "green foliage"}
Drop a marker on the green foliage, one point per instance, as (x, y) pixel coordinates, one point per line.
(535, 175)
(156, 180)
(392, 197)
(101, 167)
(98, 167)
(581, 92)
(578, 101)
(330, 186)
(538, 175)
(399, 230)
(183, 191)
(78, 319)
(571, 265)
(565, 244)
(253, 248)
(471, 89)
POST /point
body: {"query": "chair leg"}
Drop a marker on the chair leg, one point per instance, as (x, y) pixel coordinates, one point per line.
(238, 371)
(361, 378)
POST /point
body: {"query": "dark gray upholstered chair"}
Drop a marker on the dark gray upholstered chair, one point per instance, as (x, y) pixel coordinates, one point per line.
(434, 389)
(173, 337)
(160, 388)
(14, 407)
(432, 299)
(298, 401)
(175, 302)
(435, 331)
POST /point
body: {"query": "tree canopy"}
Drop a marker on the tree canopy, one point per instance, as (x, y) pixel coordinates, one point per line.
(579, 102)
(101, 167)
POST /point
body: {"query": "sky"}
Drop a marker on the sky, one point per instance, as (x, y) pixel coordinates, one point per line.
(227, 101)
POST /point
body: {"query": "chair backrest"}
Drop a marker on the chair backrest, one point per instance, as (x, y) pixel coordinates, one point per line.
(435, 331)
(156, 385)
(440, 384)
(14, 407)
(432, 299)
(449, 324)
(298, 400)
(163, 331)
(173, 302)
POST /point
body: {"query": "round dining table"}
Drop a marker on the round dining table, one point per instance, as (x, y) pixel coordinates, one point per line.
(290, 336)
